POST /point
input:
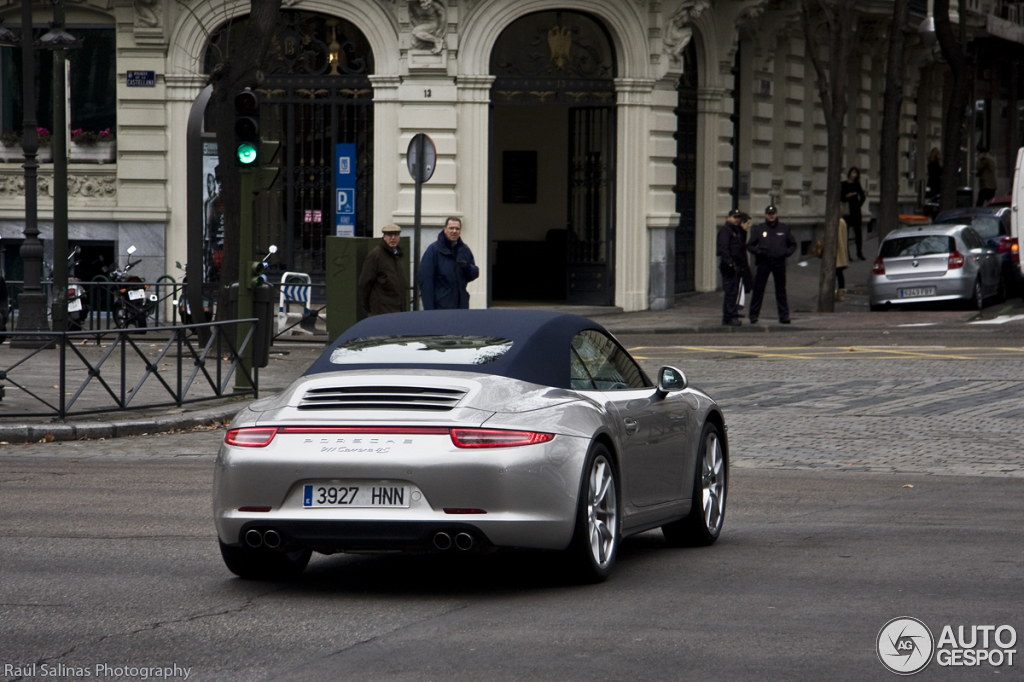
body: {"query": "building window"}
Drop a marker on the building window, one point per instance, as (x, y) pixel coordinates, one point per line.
(92, 83)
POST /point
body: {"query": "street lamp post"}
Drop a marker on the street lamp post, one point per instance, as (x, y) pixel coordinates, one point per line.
(58, 41)
(31, 301)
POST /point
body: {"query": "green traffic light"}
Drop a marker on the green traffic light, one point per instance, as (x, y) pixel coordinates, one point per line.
(246, 153)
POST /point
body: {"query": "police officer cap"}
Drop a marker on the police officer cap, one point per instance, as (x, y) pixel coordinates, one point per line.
(391, 229)
(771, 209)
(734, 212)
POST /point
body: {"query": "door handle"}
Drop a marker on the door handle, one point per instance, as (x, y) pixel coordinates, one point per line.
(631, 425)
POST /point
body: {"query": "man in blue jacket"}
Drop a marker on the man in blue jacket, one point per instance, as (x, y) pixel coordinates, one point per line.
(447, 267)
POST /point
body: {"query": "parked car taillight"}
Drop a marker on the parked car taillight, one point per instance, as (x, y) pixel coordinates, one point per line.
(956, 260)
(1005, 244)
(1014, 250)
(879, 268)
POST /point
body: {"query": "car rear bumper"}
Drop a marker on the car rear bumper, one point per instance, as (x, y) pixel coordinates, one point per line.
(883, 290)
(528, 494)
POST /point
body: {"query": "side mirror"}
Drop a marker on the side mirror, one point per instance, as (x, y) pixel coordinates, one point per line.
(272, 249)
(671, 379)
(78, 250)
(177, 264)
(131, 250)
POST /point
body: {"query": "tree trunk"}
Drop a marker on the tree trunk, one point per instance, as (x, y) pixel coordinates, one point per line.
(956, 111)
(888, 166)
(239, 69)
(832, 87)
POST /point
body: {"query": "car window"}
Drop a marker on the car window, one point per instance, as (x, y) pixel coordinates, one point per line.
(917, 245)
(987, 227)
(972, 240)
(579, 379)
(431, 350)
(607, 363)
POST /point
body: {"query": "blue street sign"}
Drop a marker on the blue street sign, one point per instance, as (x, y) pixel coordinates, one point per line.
(345, 189)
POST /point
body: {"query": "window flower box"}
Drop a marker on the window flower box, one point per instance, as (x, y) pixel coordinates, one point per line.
(11, 154)
(97, 152)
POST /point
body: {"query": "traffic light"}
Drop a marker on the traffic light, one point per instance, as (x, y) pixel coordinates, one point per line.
(247, 128)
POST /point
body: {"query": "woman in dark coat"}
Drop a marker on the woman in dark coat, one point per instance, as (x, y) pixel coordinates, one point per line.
(853, 194)
(447, 267)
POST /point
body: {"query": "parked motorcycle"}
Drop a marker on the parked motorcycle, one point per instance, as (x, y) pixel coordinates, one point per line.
(131, 304)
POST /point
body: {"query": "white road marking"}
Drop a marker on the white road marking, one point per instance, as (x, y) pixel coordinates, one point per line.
(1002, 319)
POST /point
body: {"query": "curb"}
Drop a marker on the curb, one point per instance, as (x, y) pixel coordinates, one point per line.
(33, 433)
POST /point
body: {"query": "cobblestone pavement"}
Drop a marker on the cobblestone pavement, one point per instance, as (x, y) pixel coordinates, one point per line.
(893, 410)
(924, 412)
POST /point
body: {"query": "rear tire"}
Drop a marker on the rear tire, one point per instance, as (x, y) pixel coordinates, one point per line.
(595, 542)
(702, 526)
(977, 297)
(264, 564)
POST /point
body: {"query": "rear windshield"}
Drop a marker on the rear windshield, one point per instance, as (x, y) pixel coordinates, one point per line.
(917, 245)
(420, 350)
(988, 226)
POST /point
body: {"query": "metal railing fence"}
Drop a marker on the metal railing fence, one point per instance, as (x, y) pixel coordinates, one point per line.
(107, 370)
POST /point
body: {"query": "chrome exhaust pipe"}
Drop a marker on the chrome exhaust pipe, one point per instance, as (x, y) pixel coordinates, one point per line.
(272, 539)
(253, 538)
(464, 541)
(442, 540)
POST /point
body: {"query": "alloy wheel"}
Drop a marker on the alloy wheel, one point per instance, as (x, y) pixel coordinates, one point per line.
(713, 483)
(602, 511)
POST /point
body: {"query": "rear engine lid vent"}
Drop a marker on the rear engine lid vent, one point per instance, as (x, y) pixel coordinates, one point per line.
(381, 398)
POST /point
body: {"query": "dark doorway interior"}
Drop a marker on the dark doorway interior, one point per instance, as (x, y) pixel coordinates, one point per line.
(552, 161)
(686, 173)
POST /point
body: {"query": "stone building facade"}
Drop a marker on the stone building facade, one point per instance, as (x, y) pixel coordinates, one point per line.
(591, 147)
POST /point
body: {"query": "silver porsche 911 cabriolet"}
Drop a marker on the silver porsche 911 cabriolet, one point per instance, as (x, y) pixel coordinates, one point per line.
(469, 430)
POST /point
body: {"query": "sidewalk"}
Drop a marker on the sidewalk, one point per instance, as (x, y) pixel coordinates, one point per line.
(693, 313)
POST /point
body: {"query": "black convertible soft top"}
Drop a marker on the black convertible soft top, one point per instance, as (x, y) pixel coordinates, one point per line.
(540, 341)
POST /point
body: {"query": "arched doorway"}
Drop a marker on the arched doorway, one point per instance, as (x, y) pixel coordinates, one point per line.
(686, 173)
(552, 161)
(315, 96)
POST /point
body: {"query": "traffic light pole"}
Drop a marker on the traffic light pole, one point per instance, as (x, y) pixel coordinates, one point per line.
(244, 308)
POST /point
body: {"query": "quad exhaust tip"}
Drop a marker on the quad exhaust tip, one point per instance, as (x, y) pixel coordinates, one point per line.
(254, 538)
(442, 540)
(270, 538)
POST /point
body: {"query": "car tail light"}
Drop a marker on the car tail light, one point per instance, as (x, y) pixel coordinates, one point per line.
(956, 260)
(1014, 250)
(369, 430)
(72, 292)
(1005, 244)
(497, 438)
(879, 268)
(460, 510)
(255, 437)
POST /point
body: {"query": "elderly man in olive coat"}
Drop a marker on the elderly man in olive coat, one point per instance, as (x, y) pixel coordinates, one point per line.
(383, 283)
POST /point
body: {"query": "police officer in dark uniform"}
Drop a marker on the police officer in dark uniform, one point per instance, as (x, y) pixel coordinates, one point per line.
(772, 243)
(733, 264)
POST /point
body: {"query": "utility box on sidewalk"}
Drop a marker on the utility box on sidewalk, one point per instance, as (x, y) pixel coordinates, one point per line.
(262, 310)
(345, 257)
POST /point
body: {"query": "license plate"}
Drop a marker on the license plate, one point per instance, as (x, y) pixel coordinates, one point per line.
(75, 305)
(355, 495)
(919, 291)
(136, 295)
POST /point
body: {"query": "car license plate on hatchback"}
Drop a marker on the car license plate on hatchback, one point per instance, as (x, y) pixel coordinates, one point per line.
(355, 495)
(915, 293)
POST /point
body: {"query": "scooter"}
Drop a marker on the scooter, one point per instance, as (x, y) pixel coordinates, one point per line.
(131, 303)
(184, 309)
(78, 304)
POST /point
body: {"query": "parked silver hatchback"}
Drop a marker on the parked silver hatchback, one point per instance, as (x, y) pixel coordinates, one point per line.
(934, 263)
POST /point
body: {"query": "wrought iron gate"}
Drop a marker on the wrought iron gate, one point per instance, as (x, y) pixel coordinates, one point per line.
(316, 94)
(591, 243)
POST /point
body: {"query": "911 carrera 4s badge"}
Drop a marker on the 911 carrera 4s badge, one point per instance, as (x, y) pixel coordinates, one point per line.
(355, 495)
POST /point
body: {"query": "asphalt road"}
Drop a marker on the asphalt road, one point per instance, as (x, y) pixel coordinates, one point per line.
(866, 485)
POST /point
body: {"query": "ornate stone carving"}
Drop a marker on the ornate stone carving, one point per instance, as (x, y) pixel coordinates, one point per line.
(428, 21)
(775, 193)
(679, 31)
(79, 186)
(149, 21)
